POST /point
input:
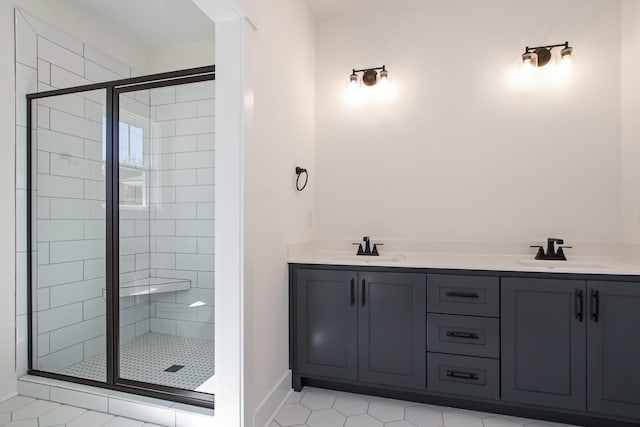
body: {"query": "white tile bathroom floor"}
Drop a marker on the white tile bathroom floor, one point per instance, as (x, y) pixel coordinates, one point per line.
(20, 411)
(328, 408)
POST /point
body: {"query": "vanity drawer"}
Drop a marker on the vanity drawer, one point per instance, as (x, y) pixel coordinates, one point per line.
(465, 335)
(467, 295)
(463, 375)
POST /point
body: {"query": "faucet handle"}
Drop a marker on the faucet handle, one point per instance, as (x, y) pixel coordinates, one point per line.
(540, 253)
(360, 250)
(374, 251)
(560, 252)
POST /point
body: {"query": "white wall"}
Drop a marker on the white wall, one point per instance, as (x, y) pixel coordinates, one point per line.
(630, 147)
(279, 136)
(181, 56)
(464, 152)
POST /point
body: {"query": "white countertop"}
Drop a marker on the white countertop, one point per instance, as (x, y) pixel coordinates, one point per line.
(621, 262)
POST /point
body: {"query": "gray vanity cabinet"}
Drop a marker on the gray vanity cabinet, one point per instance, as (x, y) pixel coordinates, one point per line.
(392, 329)
(561, 344)
(362, 326)
(543, 342)
(326, 319)
(613, 348)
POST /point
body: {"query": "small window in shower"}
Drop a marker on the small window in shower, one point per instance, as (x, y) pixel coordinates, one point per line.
(131, 156)
(133, 171)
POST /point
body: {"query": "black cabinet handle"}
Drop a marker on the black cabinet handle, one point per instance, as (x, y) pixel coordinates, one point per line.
(454, 294)
(595, 305)
(463, 375)
(363, 292)
(579, 305)
(465, 335)
(353, 291)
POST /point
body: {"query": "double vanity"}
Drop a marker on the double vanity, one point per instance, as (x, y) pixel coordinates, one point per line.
(549, 339)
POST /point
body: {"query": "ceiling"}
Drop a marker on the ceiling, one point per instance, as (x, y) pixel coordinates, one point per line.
(323, 9)
(152, 23)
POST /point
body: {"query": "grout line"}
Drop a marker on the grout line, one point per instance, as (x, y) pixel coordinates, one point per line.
(25, 65)
(27, 21)
(60, 65)
(83, 117)
(59, 45)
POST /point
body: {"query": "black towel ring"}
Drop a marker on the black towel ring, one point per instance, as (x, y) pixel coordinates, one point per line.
(299, 172)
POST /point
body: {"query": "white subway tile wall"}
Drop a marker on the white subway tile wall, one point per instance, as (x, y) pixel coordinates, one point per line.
(181, 207)
(69, 320)
(68, 230)
(167, 199)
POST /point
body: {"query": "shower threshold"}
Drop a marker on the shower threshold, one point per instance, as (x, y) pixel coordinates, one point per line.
(147, 358)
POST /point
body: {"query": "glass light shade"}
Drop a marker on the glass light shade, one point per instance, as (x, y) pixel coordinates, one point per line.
(385, 91)
(567, 57)
(566, 53)
(530, 59)
(354, 92)
(566, 62)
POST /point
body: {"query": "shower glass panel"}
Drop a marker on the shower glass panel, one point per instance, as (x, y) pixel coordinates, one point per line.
(166, 260)
(67, 235)
(120, 234)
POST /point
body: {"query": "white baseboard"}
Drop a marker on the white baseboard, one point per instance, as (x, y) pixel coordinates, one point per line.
(8, 386)
(269, 407)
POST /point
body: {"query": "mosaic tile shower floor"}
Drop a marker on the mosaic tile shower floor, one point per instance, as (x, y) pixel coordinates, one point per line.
(146, 358)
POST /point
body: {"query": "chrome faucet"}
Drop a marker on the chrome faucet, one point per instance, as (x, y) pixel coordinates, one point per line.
(367, 251)
(552, 254)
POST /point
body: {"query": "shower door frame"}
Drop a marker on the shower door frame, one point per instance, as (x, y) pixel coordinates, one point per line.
(113, 90)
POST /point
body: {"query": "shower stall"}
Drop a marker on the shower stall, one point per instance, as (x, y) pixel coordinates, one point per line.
(121, 234)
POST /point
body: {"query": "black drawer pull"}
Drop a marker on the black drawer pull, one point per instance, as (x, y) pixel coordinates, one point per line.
(462, 375)
(465, 335)
(364, 292)
(454, 294)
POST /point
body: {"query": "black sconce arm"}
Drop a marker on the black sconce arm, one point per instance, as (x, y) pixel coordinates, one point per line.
(551, 46)
(383, 68)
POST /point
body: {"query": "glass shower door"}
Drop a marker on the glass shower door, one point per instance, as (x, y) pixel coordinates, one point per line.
(166, 195)
(67, 234)
(120, 234)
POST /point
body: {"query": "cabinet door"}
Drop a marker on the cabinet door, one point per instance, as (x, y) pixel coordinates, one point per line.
(326, 317)
(392, 329)
(544, 342)
(613, 376)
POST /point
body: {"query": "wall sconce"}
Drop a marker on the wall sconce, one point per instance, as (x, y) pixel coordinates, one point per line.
(370, 85)
(369, 76)
(541, 55)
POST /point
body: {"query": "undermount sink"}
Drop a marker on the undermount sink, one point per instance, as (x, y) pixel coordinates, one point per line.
(560, 264)
(369, 259)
